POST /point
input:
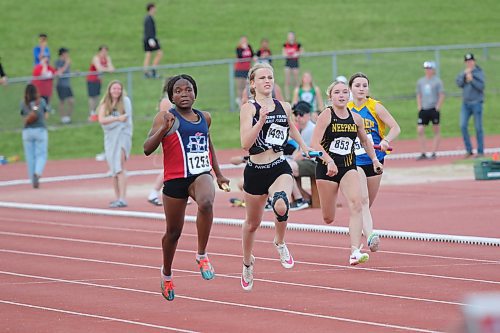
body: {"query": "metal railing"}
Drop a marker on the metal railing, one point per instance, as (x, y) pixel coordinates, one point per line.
(335, 56)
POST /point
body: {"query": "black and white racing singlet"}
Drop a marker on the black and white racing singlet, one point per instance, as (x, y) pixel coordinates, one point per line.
(274, 133)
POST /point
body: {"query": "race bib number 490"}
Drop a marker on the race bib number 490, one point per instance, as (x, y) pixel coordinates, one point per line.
(341, 146)
(198, 163)
(276, 135)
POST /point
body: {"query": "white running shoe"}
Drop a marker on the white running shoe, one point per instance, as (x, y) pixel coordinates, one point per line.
(247, 275)
(357, 257)
(373, 242)
(285, 256)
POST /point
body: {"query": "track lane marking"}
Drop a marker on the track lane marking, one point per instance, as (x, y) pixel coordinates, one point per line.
(237, 239)
(239, 256)
(233, 304)
(234, 276)
(83, 314)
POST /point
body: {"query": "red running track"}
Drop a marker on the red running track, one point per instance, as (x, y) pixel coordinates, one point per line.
(65, 272)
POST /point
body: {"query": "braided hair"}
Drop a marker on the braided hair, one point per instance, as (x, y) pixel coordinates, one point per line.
(173, 80)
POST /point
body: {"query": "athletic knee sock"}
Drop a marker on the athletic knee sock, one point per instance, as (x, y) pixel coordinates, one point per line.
(200, 257)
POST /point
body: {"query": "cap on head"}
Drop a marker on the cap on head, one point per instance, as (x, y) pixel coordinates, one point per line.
(468, 56)
(301, 108)
(429, 65)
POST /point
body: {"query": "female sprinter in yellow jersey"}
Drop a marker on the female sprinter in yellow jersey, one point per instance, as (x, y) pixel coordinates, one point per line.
(376, 120)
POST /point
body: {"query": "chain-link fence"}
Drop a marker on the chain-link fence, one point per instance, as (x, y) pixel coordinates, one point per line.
(394, 73)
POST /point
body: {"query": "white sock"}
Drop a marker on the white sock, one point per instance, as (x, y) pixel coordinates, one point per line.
(166, 277)
(153, 195)
(201, 256)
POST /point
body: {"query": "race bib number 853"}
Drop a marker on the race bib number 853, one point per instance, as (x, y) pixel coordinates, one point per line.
(198, 162)
(341, 146)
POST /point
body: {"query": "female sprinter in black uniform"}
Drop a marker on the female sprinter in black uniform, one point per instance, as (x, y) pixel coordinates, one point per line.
(334, 135)
(264, 126)
(188, 159)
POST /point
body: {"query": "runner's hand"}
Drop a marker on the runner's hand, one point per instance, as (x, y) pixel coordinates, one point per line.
(378, 167)
(223, 183)
(332, 169)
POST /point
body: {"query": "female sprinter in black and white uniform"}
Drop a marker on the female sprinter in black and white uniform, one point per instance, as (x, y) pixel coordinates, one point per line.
(265, 124)
(334, 135)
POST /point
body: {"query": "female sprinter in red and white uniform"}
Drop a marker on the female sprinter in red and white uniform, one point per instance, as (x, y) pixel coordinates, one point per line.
(188, 158)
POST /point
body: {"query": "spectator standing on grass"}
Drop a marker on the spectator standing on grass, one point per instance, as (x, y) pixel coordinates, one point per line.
(430, 97)
(115, 117)
(263, 54)
(244, 51)
(41, 50)
(308, 92)
(3, 76)
(35, 134)
(471, 80)
(43, 77)
(101, 63)
(292, 51)
(63, 87)
(151, 43)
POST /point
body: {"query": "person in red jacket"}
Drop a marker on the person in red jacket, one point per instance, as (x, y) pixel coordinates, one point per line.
(292, 51)
(101, 62)
(243, 51)
(43, 77)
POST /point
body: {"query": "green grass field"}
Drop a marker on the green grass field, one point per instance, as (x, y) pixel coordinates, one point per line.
(203, 30)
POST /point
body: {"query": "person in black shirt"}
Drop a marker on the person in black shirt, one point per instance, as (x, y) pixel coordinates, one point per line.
(151, 43)
(3, 76)
(264, 53)
(334, 135)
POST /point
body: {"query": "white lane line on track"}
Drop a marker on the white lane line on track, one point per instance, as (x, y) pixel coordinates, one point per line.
(383, 270)
(74, 225)
(264, 224)
(107, 262)
(395, 156)
(241, 305)
(82, 314)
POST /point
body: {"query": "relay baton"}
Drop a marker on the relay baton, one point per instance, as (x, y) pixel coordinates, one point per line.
(377, 147)
(225, 187)
(313, 154)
